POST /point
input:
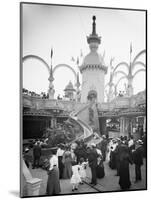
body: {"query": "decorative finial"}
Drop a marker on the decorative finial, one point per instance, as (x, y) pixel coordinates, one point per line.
(94, 26)
(94, 17)
(130, 52)
(111, 61)
(93, 37)
(51, 70)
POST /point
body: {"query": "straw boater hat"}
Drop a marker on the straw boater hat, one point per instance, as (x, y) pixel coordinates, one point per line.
(139, 142)
(26, 149)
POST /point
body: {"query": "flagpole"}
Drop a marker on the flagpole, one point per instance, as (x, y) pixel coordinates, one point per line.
(51, 55)
(51, 90)
(77, 61)
(130, 53)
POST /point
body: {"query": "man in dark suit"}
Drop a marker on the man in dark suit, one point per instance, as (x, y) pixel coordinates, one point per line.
(103, 147)
(137, 155)
(92, 159)
(36, 154)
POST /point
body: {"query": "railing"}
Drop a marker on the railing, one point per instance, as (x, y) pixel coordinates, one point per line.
(39, 103)
(84, 124)
(88, 132)
(82, 109)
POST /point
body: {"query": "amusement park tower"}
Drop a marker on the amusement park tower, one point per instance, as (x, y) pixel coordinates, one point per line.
(93, 70)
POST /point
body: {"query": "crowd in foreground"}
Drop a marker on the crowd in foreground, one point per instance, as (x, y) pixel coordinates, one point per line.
(71, 162)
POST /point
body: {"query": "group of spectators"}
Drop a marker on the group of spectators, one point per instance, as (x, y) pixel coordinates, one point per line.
(122, 152)
(65, 98)
(43, 95)
(121, 93)
(71, 161)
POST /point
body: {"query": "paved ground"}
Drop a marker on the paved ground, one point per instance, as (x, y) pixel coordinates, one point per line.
(108, 183)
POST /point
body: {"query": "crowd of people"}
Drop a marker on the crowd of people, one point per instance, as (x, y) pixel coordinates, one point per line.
(122, 152)
(42, 95)
(71, 161)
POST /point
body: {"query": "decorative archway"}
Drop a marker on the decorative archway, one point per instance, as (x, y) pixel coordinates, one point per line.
(137, 56)
(47, 66)
(38, 58)
(67, 66)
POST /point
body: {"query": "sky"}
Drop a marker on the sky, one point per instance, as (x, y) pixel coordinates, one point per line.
(65, 30)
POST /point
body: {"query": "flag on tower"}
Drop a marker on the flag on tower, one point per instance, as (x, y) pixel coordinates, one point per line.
(72, 59)
(111, 61)
(81, 53)
(51, 52)
(131, 48)
(77, 60)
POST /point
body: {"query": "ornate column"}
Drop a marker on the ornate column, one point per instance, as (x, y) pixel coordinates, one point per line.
(51, 90)
(130, 76)
(130, 89)
(123, 126)
(78, 89)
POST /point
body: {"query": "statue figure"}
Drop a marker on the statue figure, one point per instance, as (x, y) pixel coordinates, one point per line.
(91, 115)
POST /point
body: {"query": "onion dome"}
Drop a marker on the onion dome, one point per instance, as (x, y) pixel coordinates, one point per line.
(69, 87)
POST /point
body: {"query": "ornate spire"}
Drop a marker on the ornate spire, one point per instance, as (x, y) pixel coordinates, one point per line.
(78, 82)
(94, 26)
(93, 38)
(51, 74)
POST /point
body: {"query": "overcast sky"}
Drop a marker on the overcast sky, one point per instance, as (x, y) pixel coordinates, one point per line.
(65, 29)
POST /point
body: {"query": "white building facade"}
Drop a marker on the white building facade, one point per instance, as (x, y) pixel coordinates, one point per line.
(93, 70)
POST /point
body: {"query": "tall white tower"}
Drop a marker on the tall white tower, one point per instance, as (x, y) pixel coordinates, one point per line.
(93, 70)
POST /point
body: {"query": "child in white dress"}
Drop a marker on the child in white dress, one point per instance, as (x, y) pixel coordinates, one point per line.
(82, 170)
(75, 179)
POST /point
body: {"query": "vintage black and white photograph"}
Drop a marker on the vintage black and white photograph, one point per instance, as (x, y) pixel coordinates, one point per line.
(83, 99)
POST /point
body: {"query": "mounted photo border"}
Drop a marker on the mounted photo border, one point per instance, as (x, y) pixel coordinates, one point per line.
(21, 82)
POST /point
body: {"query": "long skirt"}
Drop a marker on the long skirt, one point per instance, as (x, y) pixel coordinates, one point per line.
(100, 171)
(53, 184)
(61, 166)
(112, 162)
(67, 172)
(124, 180)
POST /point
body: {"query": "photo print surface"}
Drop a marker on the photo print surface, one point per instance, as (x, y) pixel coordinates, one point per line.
(83, 100)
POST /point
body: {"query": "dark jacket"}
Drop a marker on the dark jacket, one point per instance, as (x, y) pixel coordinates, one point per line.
(92, 158)
(138, 156)
(37, 151)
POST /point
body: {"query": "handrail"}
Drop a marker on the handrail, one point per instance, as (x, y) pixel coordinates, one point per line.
(88, 127)
(73, 113)
(84, 127)
(88, 132)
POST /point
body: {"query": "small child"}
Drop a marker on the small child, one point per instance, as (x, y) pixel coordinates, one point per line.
(82, 170)
(75, 179)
